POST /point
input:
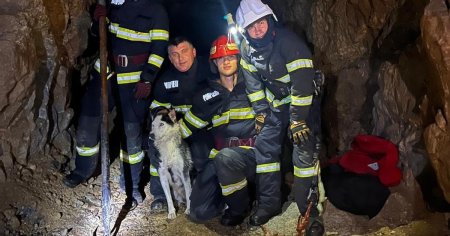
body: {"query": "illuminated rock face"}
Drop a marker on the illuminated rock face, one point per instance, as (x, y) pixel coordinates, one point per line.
(39, 44)
(435, 26)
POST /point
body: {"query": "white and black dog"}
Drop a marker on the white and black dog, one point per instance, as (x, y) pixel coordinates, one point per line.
(176, 161)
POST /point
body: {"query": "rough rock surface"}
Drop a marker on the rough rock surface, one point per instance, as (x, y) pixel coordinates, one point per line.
(435, 26)
(39, 43)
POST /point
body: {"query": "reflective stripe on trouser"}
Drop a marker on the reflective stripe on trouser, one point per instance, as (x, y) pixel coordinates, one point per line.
(206, 198)
(88, 130)
(236, 169)
(304, 173)
(155, 184)
(132, 157)
(87, 146)
(267, 153)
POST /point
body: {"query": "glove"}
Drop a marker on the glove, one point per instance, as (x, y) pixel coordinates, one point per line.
(299, 132)
(142, 90)
(259, 122)
(99, 11)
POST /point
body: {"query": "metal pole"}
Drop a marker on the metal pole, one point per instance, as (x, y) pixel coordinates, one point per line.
(106, 191)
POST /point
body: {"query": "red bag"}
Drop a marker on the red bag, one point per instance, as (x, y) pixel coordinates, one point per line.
(375, 156)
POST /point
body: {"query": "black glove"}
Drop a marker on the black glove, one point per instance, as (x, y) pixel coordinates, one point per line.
(142, 90)
(99, 11)
(299, 132)
(259, 122)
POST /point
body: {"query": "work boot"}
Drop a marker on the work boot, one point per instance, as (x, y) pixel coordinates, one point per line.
(158, 206)
(262, 216)
(136, 194)
(315, 227)
(73, 179)
(230, 219)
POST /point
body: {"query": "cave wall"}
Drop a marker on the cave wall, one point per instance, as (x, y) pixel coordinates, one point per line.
(386, 63)
(40, 41)
(435, 26)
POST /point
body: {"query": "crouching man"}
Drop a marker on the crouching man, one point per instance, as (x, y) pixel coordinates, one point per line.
(224, 106)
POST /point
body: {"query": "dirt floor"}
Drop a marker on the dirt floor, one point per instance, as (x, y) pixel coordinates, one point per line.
(35, 202)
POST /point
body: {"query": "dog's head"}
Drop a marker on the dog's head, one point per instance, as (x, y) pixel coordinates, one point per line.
(165, 122)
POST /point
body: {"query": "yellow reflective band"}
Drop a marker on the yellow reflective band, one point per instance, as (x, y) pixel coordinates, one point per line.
(113, 28)
(129, 34)
(130, 77)
(194, 120)
(153, 171)
(88, 151)
(213, 153)
(131, 159)
(305, 172)
(156, 104)
(248, 67)
(97, 68)
(185, 131)
(233, 114)
(221, 119)
(301, 101)
(256, 96)
(159, 34)
(298, 64)
(182, 108)
(155, 60)
(230, 189)
(267, 168)
(242, 113)
(285, 79)
(275, 102)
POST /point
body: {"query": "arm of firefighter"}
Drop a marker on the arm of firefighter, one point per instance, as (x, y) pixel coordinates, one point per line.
(301, 72)
(254, 87)
(159, 37)
(204, 106)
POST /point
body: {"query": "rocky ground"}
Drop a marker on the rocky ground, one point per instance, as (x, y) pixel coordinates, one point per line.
(34, 202)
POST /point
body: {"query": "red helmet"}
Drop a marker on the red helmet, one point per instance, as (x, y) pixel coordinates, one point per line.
(223, 46)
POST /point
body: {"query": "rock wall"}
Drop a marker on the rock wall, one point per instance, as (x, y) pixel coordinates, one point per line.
(40, 41)
(387, 68)
(435, 26)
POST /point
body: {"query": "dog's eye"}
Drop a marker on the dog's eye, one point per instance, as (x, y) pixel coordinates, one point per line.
(161, 124)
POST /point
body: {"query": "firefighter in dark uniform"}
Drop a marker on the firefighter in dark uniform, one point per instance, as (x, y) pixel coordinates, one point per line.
(225, 108)
(186, 75)
(278, 72)
(138, 36)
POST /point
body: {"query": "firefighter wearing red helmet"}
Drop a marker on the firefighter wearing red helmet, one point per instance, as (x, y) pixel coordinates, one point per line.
(223, 46)
(224, 106)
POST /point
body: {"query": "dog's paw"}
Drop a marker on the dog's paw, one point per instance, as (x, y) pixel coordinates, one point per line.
(187, 211)
(171, 215)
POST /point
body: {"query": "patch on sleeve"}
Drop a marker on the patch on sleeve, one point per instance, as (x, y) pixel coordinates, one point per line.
(208, 97)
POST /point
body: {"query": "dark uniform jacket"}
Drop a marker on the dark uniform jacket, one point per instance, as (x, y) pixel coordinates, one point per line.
(229, 114)
(139, 34)
(279, 74)
(176, 89)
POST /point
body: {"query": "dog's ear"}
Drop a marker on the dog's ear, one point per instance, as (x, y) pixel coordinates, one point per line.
(173, 115)
(158, 111)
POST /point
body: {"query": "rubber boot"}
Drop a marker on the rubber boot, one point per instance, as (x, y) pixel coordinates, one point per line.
(315, 227)
(129, 178)
(85, 167)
